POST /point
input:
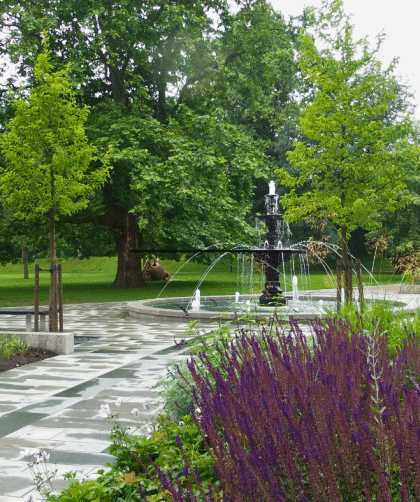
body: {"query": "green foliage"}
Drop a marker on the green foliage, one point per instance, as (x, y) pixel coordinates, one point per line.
(389, 319)
(356, 162)
(165, 172)
(46, 150)
(175, 387)
(89, 491)
(121, 482)
(10, 346)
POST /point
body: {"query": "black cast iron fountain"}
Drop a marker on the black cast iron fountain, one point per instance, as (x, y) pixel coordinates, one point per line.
(273, 254)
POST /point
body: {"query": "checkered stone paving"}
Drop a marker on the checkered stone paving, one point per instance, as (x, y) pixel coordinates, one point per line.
(54, 404)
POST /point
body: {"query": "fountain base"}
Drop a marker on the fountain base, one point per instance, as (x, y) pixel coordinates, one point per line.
(224, 308)
(272, 295)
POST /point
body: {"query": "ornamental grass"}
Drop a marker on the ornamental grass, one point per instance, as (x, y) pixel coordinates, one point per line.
(327, 418)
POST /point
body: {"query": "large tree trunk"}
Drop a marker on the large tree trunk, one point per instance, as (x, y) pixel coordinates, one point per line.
(129, 268)
(124, 226)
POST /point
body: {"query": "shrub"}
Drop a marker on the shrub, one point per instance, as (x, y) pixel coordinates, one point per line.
(10, 346)
(136, 459)
(176, 387)
(390, 320)
(339, 422)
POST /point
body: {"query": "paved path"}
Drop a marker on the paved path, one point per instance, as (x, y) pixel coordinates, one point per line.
(54, 404)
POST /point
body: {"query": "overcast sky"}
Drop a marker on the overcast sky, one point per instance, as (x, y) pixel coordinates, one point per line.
(399, 19)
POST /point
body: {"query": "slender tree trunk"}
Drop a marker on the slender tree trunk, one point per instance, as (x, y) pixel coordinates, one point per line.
(53, 283)
(348, 272)
(25, 263)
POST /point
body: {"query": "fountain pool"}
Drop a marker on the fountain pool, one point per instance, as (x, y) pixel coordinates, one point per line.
(214, 308)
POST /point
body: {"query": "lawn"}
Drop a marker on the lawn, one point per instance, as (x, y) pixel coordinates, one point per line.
(90, 281)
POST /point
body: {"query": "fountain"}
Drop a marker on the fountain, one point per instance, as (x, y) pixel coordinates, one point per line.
(196, 303)
(272, 254)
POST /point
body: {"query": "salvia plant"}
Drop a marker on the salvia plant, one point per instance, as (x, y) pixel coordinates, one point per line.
(291, 419)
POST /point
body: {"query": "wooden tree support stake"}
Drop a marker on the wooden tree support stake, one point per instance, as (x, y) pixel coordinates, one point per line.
(60, 297)
(36, 301)
(339, 270)
(360, 284)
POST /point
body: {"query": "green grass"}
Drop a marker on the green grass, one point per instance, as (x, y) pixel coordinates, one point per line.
(90, 281)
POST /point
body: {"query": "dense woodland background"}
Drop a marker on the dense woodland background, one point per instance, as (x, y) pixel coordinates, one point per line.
(195, 105)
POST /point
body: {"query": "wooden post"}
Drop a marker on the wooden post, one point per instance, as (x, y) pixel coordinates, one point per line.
(36, 300)
(360, 284)
(339, 270)
(60, 297)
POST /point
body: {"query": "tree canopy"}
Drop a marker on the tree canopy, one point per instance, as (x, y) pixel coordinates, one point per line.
(177, 98)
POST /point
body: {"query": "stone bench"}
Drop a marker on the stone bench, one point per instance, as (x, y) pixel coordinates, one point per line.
(60, 343)
(29, 313)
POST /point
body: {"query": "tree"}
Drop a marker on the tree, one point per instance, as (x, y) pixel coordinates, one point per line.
(184, 170)
(48, 157)
(356, 161)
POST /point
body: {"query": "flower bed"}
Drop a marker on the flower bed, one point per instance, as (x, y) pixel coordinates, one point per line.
(278, 416)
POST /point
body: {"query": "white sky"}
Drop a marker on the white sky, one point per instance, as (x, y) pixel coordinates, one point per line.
(398, 19)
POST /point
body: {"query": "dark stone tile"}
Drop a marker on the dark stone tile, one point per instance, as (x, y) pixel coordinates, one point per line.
(14, 386)
(48, 403)
(119, 373)
(79, 390)
(18, 419)
(82, 458)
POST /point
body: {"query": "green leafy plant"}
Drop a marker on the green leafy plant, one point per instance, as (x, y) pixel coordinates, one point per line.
(176, 447)
(10, 345)
(175, 387)
(389, 319)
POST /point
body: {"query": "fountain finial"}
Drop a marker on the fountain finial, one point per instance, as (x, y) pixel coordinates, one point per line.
(271, 188)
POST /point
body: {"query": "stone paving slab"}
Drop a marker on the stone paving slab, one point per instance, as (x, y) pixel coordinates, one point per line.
(54, 404)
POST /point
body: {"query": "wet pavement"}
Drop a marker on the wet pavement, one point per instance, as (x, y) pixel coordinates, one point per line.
(54, 404)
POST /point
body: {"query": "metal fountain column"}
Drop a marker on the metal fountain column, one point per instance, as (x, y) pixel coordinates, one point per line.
(272, 259)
